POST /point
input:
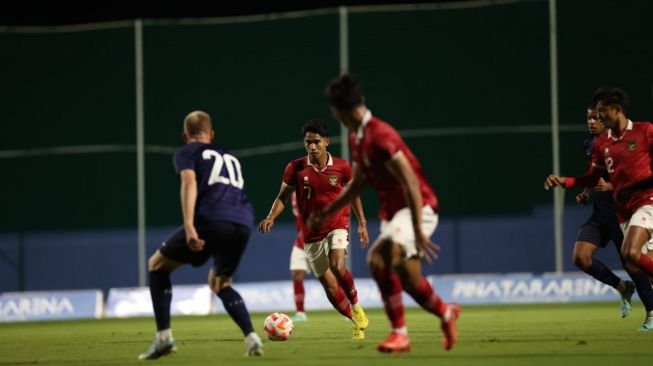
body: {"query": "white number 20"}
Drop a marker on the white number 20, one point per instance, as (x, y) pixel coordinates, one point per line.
(235, 176)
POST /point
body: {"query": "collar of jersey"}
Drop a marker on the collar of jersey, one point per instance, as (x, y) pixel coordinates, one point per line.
(366, 118)
(329, 163)
(629, 127)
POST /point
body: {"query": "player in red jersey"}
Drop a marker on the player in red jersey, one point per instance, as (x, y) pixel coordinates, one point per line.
(408, 213)
(299, 264)
(625, 152)
(602, 226)
(317, 179)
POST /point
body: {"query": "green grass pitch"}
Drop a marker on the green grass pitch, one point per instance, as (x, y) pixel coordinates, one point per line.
(551, 335)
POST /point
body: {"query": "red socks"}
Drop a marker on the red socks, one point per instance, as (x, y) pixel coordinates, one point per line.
(340, 302)
(347, 284)
(427, 298)
(390, 287)
(646, 264)
(298, 286)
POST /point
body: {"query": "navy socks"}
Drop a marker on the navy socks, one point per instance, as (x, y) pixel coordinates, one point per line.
(236, 308)
(161, 293)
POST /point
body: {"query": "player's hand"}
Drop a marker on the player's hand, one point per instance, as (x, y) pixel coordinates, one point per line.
(554, 181)
(315, 220)
(426, 248)
(582, 197)
(265, 225)
(193, 240)
(603, 186)
(363, 235)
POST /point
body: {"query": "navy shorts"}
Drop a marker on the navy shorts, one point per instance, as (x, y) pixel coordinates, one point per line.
(599, 233)
(225, 242)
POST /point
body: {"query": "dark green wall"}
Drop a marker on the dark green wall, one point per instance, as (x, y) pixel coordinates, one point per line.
(458, 68)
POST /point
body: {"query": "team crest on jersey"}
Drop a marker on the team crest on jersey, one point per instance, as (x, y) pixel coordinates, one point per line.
(333, 180)
(630, 145)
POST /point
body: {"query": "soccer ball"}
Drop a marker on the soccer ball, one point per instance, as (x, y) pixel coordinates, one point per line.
(278, 326)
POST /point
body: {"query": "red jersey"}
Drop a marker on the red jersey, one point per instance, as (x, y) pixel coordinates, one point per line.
(627, 159)
(316, 189)
(299, 238)
(371, 147)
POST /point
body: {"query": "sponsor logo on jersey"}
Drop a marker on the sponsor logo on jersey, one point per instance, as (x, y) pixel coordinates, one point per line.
(333, 180)
(630, 145)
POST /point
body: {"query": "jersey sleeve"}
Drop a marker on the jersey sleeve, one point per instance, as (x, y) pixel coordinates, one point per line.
(289, 175)
(591, 178)
(183, 159)
(346, 172)
(387, 143)
(649, 135)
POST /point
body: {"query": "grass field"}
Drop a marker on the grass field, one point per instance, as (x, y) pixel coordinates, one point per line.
(551, 335)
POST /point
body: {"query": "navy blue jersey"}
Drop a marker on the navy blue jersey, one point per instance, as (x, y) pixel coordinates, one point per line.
(220, 185)
(603, 205)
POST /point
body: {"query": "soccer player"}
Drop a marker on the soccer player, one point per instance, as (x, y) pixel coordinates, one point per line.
(602, 226)
(299, 265)
(623, 153)
(408, 213)
(317, 179)
(217, 224)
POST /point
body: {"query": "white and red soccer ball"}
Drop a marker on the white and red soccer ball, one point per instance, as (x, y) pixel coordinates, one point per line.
(278, 326)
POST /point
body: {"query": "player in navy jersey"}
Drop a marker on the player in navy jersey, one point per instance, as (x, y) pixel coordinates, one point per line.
(408, 213)
(317, 179)
(218, 220)
(603, 224)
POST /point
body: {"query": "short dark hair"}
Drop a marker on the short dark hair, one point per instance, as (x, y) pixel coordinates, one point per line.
(316, 126)
(615, 96)
(598, 95)
(345, 92)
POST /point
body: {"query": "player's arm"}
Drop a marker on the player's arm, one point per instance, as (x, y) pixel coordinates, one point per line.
(603, 186)
(589, 179)
(349, 193)
(277, 207)
(188, 196)
(400, 168)
(357, 206)
(584, 196)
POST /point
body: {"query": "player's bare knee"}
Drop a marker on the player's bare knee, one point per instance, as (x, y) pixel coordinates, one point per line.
(375, 261)
(217, 283)
(582, 261)
(629, 254)
(337, 267)
(155, 262)
(328, 282)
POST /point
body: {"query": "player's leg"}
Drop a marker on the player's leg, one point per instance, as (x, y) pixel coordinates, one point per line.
(319, 261)
(639, 277)
(380, 260)
(583, 258)
(592, 234)
(159, 267)
(227, 242)
(634, 250)
(299, 294)
(298, 268)
(637, 234)
(419, 288)
(337, 241)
